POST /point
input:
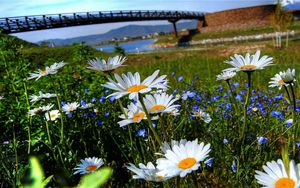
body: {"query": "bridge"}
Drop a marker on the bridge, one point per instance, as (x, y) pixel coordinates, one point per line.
(50, 21)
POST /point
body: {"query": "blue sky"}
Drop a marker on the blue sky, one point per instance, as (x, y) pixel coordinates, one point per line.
(10, 8)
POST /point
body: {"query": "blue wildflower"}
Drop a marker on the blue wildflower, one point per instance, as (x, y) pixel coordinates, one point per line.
(233, 167)
(239, 97)
(106, 114)
(112, 98)
(180, 78)
(70, 115)
(99, 121)
(62, 103)
(141, 132)
(173, 73)
(262, 140)
(225, 140)
(298, 144)
(93, 100)
(82, 103)
(209, 162)
(86, 90)
(236, 84)
(195, 107)
(102, 99)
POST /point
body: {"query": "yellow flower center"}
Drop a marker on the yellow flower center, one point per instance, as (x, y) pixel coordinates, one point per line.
(159, 177)
(281, 82)
(187, 163)
(248, 67)
(91, 168)
(197, 114)
(157, 108)
(43, 72)
(52, 116)
(139, 116)
(285, 183)
(136, 88)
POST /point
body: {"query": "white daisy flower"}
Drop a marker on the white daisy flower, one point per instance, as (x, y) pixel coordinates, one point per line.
(40, 109)
(183, 158)
(52, 115)
(288, 76)
(134, 115)
(86, 106)
(277, 81)
(48, 70)
(1, 98)
(148, 173)
(132, 85)
(111, 64)
(160, 103)
(277, 175)
(47, 108)
(200, 114)
(226, 75)
(249, 63)
(35, 98)
(35, 111)
(88, 165)
(70, 107)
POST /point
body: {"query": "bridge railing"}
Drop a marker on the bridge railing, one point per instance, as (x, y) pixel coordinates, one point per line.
(48, 21)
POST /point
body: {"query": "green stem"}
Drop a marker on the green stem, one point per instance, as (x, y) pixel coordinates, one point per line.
(295, 127)
(232, 96)
(30, 118)
(287, 91)
(16, 155)
(149, 119)
(244, 129)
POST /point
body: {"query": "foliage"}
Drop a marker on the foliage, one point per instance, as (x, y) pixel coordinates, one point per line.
(119, 50)
(61, 144)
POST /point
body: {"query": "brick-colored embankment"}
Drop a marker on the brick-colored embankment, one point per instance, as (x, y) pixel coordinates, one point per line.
(237, 18)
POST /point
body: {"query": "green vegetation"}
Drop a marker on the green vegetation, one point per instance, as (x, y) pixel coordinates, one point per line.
(94, 132)
(230, 33)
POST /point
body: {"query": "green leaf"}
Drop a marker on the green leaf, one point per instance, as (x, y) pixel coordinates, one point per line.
(96, 179)
(46, 181)
(36, 173)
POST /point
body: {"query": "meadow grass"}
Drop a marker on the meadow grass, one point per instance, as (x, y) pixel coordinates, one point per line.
(95, 132)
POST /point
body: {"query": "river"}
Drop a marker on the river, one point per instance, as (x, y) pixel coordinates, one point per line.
(131, 47)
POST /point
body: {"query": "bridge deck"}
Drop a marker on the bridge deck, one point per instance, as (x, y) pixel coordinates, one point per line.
(50, 21)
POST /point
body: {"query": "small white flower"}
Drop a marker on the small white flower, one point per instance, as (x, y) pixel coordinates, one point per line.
(288, 76)
(160, 103)
(40, 109)
(1, 98)
(148, 173)
(111, 64)
(226, 75)
(183, 158)
(48, 70)
(35, 98)
(132, 85)
(277, 81)
(134, 115)
(52, 115)
(88, 165)
(277, 175)
(200, 114)
(86, 106)
(249, 63)
(70, 107)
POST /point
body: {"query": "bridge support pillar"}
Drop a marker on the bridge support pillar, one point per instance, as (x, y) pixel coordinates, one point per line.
(173, 21)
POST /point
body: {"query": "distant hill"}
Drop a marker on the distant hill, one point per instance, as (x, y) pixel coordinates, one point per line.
(126, 31)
